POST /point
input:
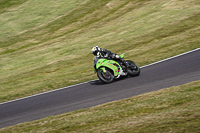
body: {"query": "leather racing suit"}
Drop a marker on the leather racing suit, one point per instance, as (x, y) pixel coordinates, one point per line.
(104, 53)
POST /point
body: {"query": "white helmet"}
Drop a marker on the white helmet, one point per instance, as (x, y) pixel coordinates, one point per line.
(95, 50)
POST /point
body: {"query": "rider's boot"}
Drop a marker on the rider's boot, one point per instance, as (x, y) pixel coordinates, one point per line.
(124, 68)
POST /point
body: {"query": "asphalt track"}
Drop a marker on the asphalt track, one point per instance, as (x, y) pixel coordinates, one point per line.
(172, 72)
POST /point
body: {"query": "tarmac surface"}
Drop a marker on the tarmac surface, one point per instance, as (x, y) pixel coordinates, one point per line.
(171, 72)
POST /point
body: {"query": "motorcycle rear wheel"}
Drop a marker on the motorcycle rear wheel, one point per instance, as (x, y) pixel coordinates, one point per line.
(106, 77)
(133, 72)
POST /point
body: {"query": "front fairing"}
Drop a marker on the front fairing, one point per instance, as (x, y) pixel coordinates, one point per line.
(102, 63)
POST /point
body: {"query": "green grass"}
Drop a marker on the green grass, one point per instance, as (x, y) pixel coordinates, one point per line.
(175, 109)
(5, 5)
(46, 44)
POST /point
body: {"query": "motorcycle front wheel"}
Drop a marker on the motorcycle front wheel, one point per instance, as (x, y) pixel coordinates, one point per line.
(106, 77)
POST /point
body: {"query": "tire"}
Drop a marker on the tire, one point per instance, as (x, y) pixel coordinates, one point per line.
(133, 72)
(107, 77)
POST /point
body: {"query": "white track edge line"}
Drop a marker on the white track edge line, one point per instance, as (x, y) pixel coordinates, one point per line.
(97, 79)
(171, 57)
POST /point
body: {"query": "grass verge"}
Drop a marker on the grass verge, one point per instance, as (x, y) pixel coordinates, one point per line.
(175, 109)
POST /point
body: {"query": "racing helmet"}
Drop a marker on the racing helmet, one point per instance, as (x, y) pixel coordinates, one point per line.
(95, 50)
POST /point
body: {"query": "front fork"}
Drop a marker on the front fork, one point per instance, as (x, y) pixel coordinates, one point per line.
(104, 69)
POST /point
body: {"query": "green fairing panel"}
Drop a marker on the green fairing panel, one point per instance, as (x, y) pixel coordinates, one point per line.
(122, 56)
(108, 64)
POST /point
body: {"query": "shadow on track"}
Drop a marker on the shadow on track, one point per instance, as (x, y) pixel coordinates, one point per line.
(99, 82)
(96, 82)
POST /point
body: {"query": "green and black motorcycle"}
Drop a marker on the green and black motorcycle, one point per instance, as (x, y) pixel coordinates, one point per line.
(108, 70)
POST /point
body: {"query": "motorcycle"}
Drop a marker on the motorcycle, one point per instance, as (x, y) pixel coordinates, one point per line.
(108, 70)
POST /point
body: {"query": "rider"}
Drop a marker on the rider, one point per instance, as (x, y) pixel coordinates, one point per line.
(104, 53)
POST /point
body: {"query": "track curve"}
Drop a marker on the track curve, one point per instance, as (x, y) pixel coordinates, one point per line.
(172, 72)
